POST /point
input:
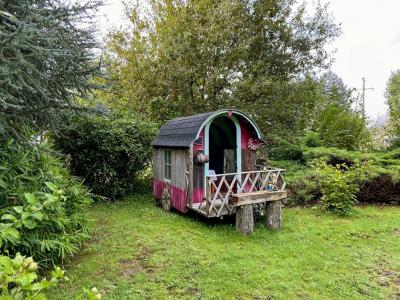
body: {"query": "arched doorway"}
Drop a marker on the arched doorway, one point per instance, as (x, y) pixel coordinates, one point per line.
(222, 146)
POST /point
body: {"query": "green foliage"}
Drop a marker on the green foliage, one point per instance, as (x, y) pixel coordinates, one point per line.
(280, 149)
(109, 152)
(185, 57)
(393, 100)
(376, 174)
(335, 155)
(338, 188)
(19, 279)
(46, 59)
(341, 128)
(42, 208)
(336, 91)
(305, 191)
(312, 139)
(284, 108)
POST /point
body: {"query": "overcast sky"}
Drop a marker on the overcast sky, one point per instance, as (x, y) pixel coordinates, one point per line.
(369, 46)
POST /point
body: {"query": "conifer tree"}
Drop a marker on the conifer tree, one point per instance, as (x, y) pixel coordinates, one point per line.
(46, 58)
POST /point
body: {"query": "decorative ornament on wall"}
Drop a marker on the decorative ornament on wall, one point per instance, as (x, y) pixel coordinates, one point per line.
(254, 144)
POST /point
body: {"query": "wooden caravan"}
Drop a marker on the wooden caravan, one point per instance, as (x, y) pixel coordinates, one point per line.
(207, 163)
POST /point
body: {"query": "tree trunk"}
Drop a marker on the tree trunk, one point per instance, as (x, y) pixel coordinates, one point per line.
(244, 219)
(274, 214)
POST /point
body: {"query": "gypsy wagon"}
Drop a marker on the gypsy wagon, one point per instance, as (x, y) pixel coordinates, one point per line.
(207, 163)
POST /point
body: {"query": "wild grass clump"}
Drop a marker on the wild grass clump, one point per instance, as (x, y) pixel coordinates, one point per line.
(42, 207)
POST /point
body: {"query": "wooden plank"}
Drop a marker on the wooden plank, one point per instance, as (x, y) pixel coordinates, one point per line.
(261, 200)
(208, 194)
(212, 201)
(243, 184)
(258, 194)
(226, 198)
(258, 197)
(260, 171)
(253, 184)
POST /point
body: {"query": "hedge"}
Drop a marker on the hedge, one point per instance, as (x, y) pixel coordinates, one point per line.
(109, 152)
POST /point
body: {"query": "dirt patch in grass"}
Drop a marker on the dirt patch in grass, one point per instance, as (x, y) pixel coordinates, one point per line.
(388, 277)
(137, 264)
(396, 231)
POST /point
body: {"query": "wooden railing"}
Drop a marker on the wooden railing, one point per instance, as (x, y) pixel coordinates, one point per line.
(221, 188)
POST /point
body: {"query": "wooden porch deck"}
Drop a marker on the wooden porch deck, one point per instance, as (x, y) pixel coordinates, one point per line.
(226, 192)
(201, 208)
(237, 200)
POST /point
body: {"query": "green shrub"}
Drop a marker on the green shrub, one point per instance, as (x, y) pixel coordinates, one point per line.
(304, 191)
(42, 208)
(19, 279)
(376, 174)
(339, 127)
(283, 150)
(333, 155)
(312, 139)
(109, 152)
(339, 188)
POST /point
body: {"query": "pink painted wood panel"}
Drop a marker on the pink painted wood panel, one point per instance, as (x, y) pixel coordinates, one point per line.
(178, 195)
(198, 195)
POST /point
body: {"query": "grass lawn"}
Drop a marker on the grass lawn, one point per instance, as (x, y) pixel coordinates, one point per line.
(139, 251)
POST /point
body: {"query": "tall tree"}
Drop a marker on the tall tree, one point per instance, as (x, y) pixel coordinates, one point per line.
(184, 57)
(393, 100)
(46, 59)
(337, 121)
(336, 91)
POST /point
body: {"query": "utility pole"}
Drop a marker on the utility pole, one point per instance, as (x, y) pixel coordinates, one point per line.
(363, 97)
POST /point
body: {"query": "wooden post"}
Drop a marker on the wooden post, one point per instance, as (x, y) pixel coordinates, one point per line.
(274, 214)
(208, 195)
(244, 219)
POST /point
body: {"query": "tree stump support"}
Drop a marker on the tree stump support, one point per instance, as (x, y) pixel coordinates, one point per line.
(274, 214)
(244, 219)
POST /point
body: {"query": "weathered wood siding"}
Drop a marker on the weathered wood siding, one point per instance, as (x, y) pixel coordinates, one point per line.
(178, 187)
(157, 164)
(178, 168)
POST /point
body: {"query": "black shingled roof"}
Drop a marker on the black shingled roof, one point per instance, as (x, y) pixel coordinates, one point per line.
(181, 132)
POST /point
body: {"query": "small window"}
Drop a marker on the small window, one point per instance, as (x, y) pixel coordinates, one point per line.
(167, 164)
